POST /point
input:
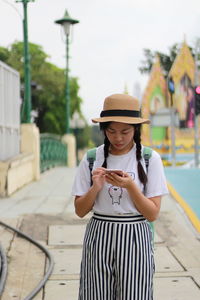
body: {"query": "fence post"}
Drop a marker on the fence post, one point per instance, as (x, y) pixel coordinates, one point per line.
(30, 142)
(70, 141)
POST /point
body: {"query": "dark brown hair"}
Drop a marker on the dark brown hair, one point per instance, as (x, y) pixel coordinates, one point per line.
(137, 139)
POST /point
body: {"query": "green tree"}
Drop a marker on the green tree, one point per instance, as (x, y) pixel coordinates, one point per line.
(48, 86)
(83, 134)
(97, 135)
(4, 54)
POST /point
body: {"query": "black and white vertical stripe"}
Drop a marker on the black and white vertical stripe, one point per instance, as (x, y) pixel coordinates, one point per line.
(117, 261)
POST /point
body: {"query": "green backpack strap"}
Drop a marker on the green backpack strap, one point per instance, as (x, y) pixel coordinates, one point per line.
(91, 157)
(152, 230)
(147, 153)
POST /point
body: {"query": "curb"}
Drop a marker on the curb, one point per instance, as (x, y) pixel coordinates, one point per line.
(189, 212)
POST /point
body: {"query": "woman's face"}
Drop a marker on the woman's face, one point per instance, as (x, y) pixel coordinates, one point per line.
(120, 136)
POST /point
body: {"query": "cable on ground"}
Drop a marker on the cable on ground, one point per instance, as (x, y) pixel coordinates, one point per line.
(47, 253)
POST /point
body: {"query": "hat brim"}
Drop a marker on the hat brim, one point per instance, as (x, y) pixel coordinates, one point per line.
(127, 120)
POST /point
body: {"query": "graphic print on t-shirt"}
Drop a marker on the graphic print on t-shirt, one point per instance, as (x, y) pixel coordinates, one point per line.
(132, 174)
(115, 193)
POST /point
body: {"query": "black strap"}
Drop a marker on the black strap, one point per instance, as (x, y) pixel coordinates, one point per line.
(146, 159)
(91, 162)
(120, 113)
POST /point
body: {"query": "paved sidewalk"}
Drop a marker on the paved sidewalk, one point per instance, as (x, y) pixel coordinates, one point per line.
(46, 211)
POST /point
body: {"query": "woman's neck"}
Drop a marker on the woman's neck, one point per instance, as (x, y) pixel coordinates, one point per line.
(114, 151)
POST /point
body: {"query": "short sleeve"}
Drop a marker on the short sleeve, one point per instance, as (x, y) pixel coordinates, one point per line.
(82, 178)
(156, 184)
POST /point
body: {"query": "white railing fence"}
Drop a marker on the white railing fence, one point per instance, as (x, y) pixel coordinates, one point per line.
(9, 112)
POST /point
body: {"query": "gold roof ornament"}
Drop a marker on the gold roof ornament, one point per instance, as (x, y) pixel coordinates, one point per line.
(184, 64)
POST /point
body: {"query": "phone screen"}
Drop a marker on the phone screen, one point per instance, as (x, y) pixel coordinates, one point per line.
(116, 171)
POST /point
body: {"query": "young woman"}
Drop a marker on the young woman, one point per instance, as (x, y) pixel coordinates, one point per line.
(117, 261)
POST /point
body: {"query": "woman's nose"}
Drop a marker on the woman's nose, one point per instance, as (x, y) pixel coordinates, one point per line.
(118, 137)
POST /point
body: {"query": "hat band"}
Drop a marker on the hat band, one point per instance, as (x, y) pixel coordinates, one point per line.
(120, 113)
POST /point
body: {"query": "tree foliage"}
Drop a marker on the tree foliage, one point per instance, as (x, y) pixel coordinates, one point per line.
(4, 54)
(47, 85)
(97, 135)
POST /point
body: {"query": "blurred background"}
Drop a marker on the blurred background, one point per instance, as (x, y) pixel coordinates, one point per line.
(136, 47)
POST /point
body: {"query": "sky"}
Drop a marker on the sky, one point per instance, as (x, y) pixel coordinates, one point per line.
(106, 47)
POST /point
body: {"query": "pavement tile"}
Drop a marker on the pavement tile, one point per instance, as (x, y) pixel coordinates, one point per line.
(66, 235)
(165, 261)
(67, 261)
(61, 290)
(175, 288)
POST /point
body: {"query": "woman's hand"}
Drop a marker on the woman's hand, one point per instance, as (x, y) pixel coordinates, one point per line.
(85, 203)
(98, 178)
(148, 207)
(122, 181)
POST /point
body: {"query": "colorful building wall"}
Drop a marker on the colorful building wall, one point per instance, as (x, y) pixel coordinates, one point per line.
(182, 72)
(156, 96)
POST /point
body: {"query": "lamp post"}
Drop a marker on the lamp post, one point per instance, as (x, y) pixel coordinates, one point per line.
(27, 105)
(171, 89)
(66, 22)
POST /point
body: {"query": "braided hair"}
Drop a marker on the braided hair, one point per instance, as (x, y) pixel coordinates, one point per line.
(103, 127)
(137, 139)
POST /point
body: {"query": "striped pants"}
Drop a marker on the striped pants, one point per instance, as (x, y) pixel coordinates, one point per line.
(117, 261)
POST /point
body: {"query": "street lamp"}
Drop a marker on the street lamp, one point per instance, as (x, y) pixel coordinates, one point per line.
(66, 22)
(27, 105)
(171, 89)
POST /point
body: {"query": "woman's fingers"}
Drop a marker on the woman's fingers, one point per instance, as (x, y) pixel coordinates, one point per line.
(117, 180)
(99, 171)
(113, 177)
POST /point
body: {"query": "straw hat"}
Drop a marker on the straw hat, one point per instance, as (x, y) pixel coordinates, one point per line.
(121, 108)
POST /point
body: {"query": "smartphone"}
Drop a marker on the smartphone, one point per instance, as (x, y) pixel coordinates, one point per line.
(116, 171)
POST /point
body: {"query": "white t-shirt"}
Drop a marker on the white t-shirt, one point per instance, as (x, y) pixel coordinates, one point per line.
(112, 200)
